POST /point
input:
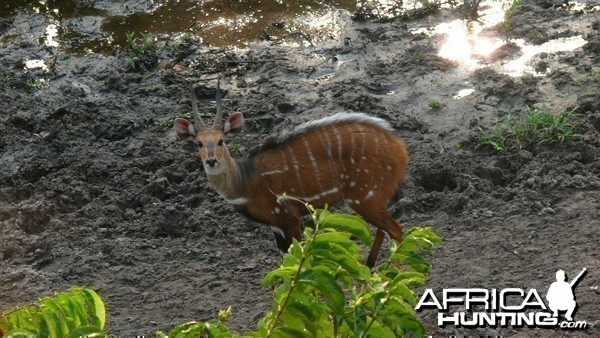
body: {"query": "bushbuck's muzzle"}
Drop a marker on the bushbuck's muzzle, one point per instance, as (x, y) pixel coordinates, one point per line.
(211, 161)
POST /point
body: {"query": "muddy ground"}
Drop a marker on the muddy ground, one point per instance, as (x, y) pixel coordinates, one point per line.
(97, 190)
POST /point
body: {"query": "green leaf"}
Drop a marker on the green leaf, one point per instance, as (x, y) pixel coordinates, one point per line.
(400, 289)
(280, 273)
(338, 238)
(20, 333)
(77, 305)
(336, 254)
(53, 323)
(413, 325)
(410, 278)
(413, 260)
(86, 331)
(423, 232)
(378, 331)
(301, 317)
(69, 310)
(187, 328)
(287, 332)
(348, 223)
(95, 307)
(327, 287)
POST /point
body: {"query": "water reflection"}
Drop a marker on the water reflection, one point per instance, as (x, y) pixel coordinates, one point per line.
(236, 23)
(469, 42)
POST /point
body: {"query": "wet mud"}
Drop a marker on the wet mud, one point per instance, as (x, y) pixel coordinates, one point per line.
(97, 190)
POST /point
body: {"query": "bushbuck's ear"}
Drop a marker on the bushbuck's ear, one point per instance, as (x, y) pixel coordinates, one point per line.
(184, 128)
(233, 124)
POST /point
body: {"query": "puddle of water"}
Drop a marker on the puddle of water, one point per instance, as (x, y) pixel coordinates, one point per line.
(469, 42)
(520, 66)
(33, 64)
(86, 28)
(216, 22)
(463, 92)
(237, 23)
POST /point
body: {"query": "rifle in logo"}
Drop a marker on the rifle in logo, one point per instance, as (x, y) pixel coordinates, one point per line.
(560, 295)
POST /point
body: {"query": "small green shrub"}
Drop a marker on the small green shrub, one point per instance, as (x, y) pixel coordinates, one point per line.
(142, 51)
(323, 290)
(534, 128)
(137, 45)
(434, 104)
(508, 15)
(78, 313)
(419, 56)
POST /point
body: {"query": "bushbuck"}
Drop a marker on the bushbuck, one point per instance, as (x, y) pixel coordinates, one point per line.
(350, 157)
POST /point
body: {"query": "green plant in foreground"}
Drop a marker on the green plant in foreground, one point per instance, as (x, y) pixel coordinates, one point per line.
(77, 313)
(534, 128)
(323, 289)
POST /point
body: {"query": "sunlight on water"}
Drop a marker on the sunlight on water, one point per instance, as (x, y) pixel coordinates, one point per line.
(464, 43)
(33, 64)
(520, 66)
(471, 43)
(463, 92)
(467, 43)
(51, 35)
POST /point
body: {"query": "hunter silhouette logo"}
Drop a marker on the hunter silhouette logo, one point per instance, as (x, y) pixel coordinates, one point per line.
(560, 295)
(479, 307)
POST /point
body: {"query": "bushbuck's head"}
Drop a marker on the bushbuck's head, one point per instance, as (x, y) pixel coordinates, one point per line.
(211, 140)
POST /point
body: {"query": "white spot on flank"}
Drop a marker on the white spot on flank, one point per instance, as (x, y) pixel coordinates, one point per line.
(237, 201)
(277, 210)
(357, 202)
(319, 195)
(273, 172)
(352, 160)
(352, 184)
(325, 144)
(338, 139)
(313, 161)
(369, 195)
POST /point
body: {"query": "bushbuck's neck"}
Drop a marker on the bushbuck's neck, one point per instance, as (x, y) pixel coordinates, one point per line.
(231, 182)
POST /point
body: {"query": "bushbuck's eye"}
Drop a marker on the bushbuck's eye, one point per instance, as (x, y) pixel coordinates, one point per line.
(220, 142)
(199, 144)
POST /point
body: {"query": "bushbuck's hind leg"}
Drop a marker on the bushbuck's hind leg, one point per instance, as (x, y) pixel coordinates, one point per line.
(287, 227)
(380, 218)
(375, 248)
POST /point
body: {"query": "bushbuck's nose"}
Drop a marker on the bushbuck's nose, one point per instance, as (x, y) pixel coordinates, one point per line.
(211, 161)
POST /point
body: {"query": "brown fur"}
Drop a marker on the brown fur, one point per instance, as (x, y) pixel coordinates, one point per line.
(352, 158)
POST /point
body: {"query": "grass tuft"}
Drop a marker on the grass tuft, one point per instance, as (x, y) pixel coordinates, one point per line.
(536, 127)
